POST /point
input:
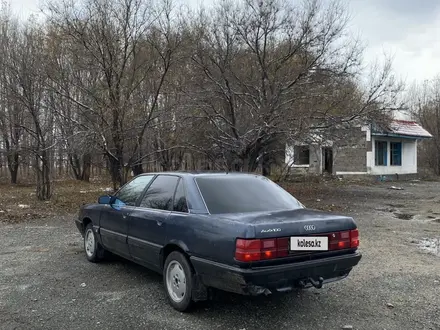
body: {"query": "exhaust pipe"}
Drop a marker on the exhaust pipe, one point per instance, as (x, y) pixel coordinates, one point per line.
(317, 284)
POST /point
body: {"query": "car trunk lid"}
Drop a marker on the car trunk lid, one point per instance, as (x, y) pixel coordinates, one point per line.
(299, 222)
(294, 233)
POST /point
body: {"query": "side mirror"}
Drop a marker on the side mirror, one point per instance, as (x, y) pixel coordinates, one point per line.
(104, 199)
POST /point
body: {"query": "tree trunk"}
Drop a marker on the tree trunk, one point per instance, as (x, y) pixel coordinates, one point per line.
(249, 163)
(87, 163)
(116, 169)
(165, 161)
(265, 165)
(13, 165)
(165, 166)
(14, 175)
(60, 162)
(137, 169)
(178, 160)
(12, 158)
(75, 165)
(438, 160)
(437, 113)
(42, 167)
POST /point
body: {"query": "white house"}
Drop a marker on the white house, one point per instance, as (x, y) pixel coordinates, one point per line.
(394, 149)
(365, 150)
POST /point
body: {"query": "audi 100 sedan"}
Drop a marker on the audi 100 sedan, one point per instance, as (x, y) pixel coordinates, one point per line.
(235, 232)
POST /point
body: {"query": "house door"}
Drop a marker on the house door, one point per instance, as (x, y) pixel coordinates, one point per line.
(327, 157)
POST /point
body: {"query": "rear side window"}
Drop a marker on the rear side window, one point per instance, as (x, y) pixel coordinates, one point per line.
(180, 204)
(130, 192)
(247, 193)
(160, 193)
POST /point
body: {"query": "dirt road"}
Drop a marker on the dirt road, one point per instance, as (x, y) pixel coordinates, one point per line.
(46, 282)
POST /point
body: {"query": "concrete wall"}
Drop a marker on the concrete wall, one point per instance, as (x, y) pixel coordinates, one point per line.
(315, 159)
(409, 158)
(354, 154)
(350, 154)
(314, 166)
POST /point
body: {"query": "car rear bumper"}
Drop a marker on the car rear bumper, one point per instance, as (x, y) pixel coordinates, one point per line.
(255, 281)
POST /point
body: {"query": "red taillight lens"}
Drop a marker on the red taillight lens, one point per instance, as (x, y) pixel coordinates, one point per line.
(354, 238)
(283, 247)
(255, 250)
(339, 240)
(248, 250)
(343, 245)
(268, 248)
(344, 240)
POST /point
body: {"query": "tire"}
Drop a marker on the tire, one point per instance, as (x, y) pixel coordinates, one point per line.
(94, 251)
(177, 278)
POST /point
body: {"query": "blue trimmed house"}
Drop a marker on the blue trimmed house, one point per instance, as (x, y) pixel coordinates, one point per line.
(361, 150)
(394, 148)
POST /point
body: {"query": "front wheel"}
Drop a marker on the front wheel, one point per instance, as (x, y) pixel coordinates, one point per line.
(177, 275)
(94, 251)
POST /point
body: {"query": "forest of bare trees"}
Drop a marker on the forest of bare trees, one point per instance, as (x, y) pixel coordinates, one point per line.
(126, 86)
(424, 105)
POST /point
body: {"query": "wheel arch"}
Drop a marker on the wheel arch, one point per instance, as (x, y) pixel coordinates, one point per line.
(174, 245)
(199, 291)
(85, 221)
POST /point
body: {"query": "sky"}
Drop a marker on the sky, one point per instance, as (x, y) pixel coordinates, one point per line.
(409, 30)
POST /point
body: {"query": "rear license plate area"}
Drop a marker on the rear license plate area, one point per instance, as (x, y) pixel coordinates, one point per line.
(309, 243)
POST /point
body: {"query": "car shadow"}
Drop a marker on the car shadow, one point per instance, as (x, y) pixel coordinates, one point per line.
(220, 301)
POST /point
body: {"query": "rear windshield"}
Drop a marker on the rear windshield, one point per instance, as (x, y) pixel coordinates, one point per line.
(240, 194)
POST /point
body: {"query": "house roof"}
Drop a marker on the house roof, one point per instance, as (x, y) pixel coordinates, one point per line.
(404, 128)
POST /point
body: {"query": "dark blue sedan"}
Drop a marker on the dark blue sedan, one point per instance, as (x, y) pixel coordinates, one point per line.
(235, 232)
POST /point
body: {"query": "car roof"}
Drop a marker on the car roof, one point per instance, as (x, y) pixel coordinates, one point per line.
(202, 173)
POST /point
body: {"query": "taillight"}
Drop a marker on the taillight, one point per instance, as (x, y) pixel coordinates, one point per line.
(264, 249)
(268, 248)
(248, 250)
(339, 240)
(282, 247)
(354, 238)
(344, 240)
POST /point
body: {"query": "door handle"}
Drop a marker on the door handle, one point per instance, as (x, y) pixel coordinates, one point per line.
(124, 216)
(159, 223)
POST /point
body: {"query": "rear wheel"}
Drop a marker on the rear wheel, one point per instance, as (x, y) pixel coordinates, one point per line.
(177, 276)
(94, 251)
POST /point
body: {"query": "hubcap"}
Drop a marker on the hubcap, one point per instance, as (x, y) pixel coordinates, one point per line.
(89, 243)
(176, 281)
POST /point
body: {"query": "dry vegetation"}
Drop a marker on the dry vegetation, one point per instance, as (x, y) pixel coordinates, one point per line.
(18, 202)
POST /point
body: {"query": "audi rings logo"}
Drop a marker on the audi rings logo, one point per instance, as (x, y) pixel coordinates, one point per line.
(309, 227)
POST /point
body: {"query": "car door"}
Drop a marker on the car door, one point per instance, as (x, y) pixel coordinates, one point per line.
(114, 218)
(148, 222)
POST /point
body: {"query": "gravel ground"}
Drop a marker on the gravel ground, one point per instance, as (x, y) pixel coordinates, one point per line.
(47, 283)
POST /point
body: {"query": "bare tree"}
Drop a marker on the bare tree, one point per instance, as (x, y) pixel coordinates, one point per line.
(11, 112)
(138, 84)
(424, 101)
(27, 81)
(265, 71)
(127, 46)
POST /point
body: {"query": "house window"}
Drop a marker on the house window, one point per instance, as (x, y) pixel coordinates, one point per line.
(302, 155)
(381, 153)
(396, 153)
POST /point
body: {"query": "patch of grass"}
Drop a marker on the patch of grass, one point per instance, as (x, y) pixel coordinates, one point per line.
(19, 203)
(404, 216)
